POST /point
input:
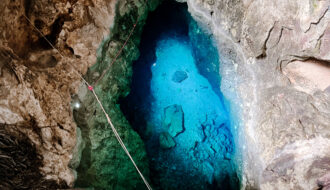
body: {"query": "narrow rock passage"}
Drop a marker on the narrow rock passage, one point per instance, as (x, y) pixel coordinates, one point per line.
(176, 106)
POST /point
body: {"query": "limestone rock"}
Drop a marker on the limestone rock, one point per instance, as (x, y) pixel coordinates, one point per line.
(308, 76)
(20, 162)
(179, 76)
(275, 66)
(173, 121)
(36, 83)
(324, 181)
(166, 141)
(266, 48)
(104, 164)
(77, 151)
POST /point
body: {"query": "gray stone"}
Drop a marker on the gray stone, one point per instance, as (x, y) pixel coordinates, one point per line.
(173, 121)
(324, 181)
(274, 64)
(179, 76)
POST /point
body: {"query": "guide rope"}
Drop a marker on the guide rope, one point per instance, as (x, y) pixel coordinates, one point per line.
(90, 87)
(121, 142)
(74, 69)
(119, 52)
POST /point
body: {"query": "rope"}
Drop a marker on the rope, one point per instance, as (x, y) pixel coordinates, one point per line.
(96, 97)
(118, 53)
(74, 69)
(121, 142)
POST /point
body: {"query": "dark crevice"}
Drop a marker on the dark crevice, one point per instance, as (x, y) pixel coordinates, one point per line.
(264, 47)
(39, 24)
(71, 50)
(20, 163)
(323, 62)
(280, 35)
(56, 28)
(318, 21)
(27, 5)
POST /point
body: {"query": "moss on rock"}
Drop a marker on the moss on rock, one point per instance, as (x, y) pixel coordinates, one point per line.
(104, 165)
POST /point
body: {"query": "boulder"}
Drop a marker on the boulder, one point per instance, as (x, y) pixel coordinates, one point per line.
(173, 121)
(166, 141)
(179, 76)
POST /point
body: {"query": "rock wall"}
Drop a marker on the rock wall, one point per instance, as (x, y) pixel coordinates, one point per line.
(36, 82)
(270, 52)
(104, 165)
(275, 67)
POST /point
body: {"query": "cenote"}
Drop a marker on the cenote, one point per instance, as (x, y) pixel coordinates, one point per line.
(176, 105)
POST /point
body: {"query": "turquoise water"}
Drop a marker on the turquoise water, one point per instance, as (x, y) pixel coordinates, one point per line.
(177, 107)
(201, 106)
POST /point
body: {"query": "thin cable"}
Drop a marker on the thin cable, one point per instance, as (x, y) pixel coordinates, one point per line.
(119, 52)
(120, 141)
(74, 69)
(99, 102)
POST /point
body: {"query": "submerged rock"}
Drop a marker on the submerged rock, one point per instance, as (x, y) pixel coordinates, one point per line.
(166, 141)
(173, 120)
(179, 76)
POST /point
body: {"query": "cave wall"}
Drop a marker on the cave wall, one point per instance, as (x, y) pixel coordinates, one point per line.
(284, 136)
(263, 44)
(104, 165)
(20, 162)
(37, 83)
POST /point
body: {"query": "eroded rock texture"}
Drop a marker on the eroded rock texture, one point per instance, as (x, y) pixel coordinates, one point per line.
(270, 52)
(104, 165)
(275, 54)
(20, 162)
(36, 82)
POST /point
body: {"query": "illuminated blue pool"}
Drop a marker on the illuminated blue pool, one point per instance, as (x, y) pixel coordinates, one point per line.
(177, 107)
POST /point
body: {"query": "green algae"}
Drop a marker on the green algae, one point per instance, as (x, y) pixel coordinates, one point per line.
(104, 165)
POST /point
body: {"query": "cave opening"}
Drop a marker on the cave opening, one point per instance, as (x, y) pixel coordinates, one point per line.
(176, 105)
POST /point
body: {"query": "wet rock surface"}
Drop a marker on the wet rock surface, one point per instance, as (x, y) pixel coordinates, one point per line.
(179, 76)
(166, 140)
(268, 48)
(173, 121)
(204, 147)
(104, 165)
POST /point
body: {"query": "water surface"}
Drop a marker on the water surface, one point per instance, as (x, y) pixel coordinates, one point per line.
(177, 107)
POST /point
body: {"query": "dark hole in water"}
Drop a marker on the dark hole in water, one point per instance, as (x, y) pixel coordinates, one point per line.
(176, 105)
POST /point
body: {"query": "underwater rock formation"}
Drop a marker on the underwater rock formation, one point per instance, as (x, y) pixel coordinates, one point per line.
(166, 140)
(270, 52)
(179, 76)
(173, 121)
(201, 157)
